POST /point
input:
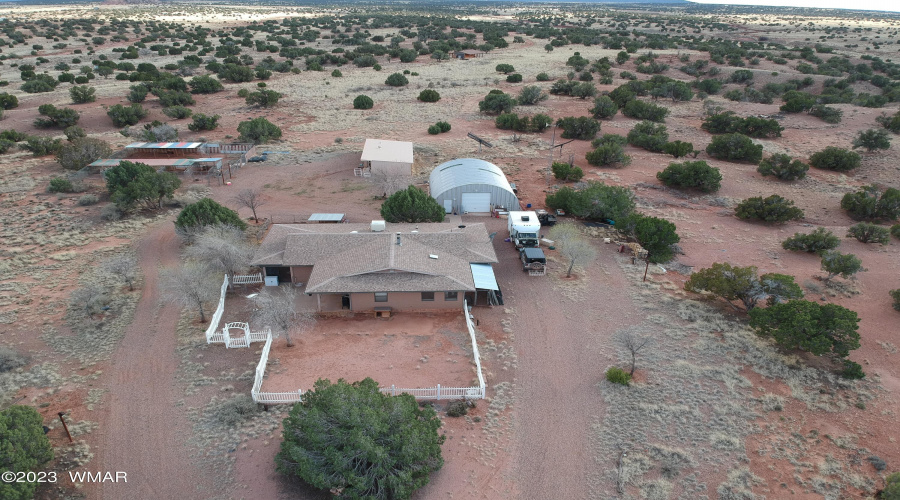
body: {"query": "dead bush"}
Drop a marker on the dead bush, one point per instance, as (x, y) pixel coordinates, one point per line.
(10, 359)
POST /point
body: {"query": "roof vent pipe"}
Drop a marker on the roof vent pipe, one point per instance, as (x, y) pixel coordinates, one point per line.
(398, 239)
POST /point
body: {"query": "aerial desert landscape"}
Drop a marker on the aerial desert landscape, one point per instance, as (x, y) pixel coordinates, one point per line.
(715, 312)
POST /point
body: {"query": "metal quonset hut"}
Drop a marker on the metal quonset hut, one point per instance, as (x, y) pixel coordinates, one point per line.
(471, 185)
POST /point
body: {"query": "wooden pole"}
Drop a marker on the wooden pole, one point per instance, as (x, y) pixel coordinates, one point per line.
(66, 427)
(647, 268)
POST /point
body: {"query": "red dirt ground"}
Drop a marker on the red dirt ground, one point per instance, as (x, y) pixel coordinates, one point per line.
(406, 351)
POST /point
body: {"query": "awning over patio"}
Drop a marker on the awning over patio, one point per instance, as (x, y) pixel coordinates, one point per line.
(483, 274)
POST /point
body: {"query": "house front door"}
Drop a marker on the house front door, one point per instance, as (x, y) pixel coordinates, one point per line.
(345, 302)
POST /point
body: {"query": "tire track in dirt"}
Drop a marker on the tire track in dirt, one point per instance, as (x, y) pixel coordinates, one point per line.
(563, 347)
(143, 433)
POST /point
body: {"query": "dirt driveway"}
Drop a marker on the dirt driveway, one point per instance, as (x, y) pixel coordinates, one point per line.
(143, 432)
(562, 334)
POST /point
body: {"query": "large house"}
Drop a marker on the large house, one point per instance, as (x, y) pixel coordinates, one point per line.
(382, 267)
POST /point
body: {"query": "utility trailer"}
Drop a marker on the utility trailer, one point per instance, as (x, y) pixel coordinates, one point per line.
(546, 218)
(533, 261)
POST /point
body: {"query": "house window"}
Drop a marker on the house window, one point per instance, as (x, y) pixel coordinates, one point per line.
(380, 296)
(450, 296)
(427, 296)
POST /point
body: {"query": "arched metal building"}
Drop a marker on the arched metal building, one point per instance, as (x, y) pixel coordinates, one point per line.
(471, 185)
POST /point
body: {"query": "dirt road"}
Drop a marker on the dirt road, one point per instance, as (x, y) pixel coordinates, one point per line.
(143, 433)
(563, 345)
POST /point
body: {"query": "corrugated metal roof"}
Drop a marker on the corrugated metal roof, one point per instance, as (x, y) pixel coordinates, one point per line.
(465, 171)
(155, 162)
(483, 274)
(393, 151)
(326, 217)
(164, 145)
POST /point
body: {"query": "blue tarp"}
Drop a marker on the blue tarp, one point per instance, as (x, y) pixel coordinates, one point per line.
(483, 275)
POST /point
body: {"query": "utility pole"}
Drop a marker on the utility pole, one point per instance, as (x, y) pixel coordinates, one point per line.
(550, 160)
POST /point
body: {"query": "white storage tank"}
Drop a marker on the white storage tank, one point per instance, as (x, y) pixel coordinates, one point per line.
(377, 226)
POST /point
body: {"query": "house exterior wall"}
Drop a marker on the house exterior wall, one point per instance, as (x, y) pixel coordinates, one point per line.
(499, 196)
(403, 301)
(391, 168)
(300, 274)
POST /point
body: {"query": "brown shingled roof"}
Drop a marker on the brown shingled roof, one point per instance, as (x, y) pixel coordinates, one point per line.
(366, 261)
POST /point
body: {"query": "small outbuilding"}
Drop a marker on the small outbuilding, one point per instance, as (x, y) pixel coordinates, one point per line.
(469, 54)
(387, 157)
(471, 185)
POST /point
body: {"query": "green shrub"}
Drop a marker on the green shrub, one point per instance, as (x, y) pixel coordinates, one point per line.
(840, 264)
(60, 185)
(457, 408)
(412, 205)
(56, 117)
(819, 241)
(13, 135)
(872, 139)
(752, 126)
(771, 209)
(496, 103)
(565, 172)
(594, 201)
(8, 101)
(126, 115)
(40, 83)
(543, 77)
(396, 80)
(81, 94)
(895, 294)
(582, 127)
(177, 112)
(734, 147)
(514, 78)
(709, 86)
(6, 145)
(827, 114)
(834, 158)
(444, 126)
(337, 73)
(891, 123)
(691, 175)
(608, 151)
(531, 94)
(203, 122)
(264, 98)
(26, 448)
(820, 329)
(205, 84)
(207, 212)
(617, 375)
(42, 146)
(235, 73)
(678, 149)
(852, 371)
(648, 135)
(88, 199)
(866, 232)
(641, 110)
(783, 167)
(258, 131)
(870, 203)
(363, 102)
(505, 68)
(434, 130)
(895, 230)
(604, 107)
(137, 94)
(429, 95)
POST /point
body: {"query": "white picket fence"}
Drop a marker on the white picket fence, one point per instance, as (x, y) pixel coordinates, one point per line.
(223, 336)
(212, 335)
(246, 279)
